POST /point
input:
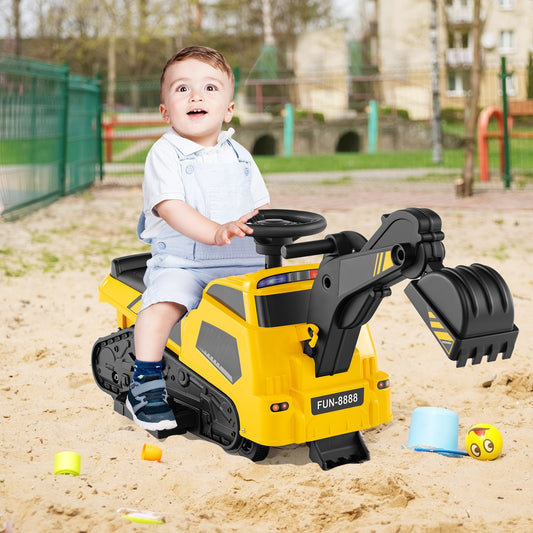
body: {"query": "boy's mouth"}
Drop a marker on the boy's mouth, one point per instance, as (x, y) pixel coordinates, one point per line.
(196, 112)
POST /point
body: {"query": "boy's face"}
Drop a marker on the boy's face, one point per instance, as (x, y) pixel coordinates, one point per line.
(196, 99)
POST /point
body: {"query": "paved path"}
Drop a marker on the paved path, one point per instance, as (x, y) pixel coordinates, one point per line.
(389, 188)
(341, 190)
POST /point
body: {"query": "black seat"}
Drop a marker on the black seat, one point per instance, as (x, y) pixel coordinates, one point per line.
(130, 270)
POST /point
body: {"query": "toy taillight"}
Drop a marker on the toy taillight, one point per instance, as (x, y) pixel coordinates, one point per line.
(383, 384)
(287, 277)
(276, 407)
(272, 280)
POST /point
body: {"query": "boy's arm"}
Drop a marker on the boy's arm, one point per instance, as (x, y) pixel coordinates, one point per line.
(189, 222)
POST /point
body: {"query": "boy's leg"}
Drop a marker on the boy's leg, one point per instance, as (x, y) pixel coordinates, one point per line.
(152, 328)
(147, 397)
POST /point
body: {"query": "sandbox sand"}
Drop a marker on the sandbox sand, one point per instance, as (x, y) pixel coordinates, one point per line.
(51, 264)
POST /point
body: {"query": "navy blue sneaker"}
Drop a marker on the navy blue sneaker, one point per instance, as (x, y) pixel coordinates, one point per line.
(147, 402)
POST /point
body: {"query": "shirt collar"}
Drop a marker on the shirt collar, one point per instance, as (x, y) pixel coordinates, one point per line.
(188, 147)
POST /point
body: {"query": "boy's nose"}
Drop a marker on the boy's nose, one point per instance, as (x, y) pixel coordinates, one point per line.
(196, 95)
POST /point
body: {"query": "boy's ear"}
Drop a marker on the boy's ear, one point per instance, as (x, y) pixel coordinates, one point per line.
(229, 112)
(164, 113)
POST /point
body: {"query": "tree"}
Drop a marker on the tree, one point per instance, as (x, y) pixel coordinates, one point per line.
(530, 76)
(436, 128)
(244, 21)
(472, 105)
(16, 24)
(133, 38)
(11, 14)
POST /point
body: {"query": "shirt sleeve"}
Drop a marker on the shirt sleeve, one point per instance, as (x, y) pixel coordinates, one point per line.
(162, 176)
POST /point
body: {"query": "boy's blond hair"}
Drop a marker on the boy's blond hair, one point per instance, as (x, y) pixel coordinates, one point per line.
(205, 55)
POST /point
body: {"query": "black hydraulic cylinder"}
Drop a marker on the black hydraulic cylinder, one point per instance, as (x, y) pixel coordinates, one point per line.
(304, 249)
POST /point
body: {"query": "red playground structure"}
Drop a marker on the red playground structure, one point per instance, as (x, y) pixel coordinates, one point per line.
(483, 133)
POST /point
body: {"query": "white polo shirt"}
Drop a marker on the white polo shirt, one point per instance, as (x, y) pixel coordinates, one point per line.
(162, 173)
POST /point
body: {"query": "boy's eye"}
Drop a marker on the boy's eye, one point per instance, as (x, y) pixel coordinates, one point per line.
(210, 88)
(182, 89)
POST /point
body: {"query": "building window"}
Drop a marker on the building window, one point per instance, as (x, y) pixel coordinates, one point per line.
(507, 41)
(458, 82)
(510, 85)
(506, 4)
(459, 39)
(459, 3)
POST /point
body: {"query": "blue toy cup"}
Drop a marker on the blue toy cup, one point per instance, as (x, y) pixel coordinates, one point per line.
(434, 427)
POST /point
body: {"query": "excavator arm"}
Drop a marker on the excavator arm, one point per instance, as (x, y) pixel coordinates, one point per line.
(468, 309)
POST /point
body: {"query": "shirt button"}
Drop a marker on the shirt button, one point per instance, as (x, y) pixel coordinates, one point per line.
(189, 169)
(161, 245)
(246, 171)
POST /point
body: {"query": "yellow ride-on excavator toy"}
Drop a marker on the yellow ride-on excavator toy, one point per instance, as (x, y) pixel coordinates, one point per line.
(284, 355)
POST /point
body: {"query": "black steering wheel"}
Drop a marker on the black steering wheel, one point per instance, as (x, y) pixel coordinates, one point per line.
(273, 228)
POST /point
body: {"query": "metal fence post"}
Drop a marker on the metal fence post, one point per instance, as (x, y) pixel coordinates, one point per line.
(64, 134)
(507, 156)
(372, 127)
(288, 130)
(99, 115)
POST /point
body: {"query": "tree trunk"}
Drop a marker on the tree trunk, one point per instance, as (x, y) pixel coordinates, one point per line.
(472, 107)
(16, 24)
(111, 71)
(436, 129)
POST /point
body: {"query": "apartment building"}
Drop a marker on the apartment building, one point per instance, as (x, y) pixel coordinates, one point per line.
(405, 51)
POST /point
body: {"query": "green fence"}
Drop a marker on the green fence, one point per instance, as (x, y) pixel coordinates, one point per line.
(49, 133)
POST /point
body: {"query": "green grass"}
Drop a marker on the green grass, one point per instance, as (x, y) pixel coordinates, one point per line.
(354, 161)
(521, 162)
(454, 128)
(521, 158)
(335, 162)
(29, 151)
(42, 151)
(501, 253)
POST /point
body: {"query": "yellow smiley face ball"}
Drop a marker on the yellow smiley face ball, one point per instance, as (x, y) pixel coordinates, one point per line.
(483, 442)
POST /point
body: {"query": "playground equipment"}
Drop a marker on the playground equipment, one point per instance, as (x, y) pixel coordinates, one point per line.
(130, 128)
(484, 135)
(284, 355)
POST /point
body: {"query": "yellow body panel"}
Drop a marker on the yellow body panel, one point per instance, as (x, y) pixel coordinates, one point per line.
(274, 368)
(123, 298)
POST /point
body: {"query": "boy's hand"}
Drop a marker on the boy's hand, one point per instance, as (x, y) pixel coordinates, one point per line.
(186, 220)
(237, 228)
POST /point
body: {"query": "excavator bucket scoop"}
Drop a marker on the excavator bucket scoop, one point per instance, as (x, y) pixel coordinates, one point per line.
(469, 309)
